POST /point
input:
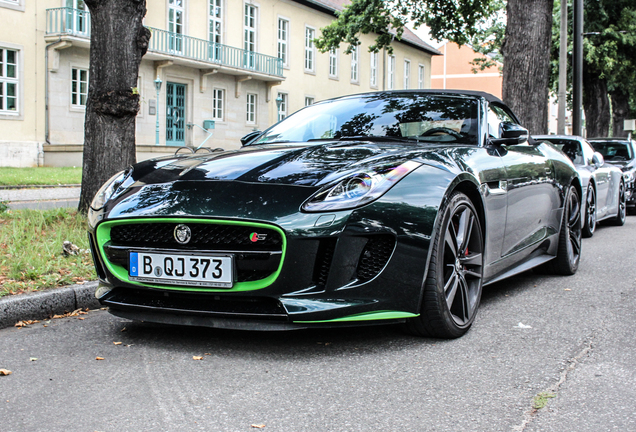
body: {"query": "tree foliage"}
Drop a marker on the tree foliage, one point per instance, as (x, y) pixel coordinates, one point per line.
(447, 19)
(525, 82)
(609, 63)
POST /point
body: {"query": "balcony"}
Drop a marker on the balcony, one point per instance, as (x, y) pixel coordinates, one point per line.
(73, 27)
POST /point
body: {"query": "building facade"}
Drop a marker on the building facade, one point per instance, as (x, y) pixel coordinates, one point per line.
(215, 70)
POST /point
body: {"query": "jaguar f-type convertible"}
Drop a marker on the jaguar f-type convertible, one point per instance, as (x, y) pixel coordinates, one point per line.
(372, 208)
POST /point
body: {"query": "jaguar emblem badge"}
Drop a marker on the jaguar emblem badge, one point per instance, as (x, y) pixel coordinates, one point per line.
(182, 234)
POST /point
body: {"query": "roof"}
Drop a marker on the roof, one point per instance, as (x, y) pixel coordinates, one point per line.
(471, 93)
(333, 6)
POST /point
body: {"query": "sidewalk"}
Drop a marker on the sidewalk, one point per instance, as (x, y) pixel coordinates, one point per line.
(40, 197)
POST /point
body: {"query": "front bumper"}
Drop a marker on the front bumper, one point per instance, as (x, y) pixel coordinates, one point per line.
(350, 271)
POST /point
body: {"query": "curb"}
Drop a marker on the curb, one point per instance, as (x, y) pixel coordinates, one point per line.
(66, 185)
(41, 305)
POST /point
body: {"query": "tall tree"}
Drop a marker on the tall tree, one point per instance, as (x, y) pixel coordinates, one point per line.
(526, 46)
(118, 42)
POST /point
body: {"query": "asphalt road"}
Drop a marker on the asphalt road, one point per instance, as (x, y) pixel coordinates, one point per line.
(576, 341)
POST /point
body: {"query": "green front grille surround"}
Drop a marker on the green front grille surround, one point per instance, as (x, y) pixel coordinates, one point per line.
(102, 235)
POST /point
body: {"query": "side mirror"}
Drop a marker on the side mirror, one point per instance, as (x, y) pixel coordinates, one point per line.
(511, 133)
(597, 159)
(250, 136)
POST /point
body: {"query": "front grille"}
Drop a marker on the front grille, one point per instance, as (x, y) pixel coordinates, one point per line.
(374, 257)
(254, 260)
(208, 236)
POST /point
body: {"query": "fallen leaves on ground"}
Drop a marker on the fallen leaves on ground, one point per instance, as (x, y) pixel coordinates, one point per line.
(116, 343)
(197, 357)
(5, 372)
(26, 323)
(75, 313)
(33, 359)
(258, 426)
(99, 358)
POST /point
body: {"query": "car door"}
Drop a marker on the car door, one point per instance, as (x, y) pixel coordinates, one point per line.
(602, 180)
(532, 195)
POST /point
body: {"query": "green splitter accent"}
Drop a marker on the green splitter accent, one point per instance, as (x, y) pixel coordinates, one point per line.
(366, 316)
(103, 236)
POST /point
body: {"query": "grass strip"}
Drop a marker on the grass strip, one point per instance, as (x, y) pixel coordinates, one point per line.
(40, 176)
(31, 257)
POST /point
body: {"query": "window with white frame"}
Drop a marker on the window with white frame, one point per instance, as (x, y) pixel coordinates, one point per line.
(283, 40)
(79, 87)
(218, 101)
(9, 81)
(310, 50)
(13, 4)
(309, 100)
(215, 27)
(354, 64)
(407, 74)
(374, 69)
(282, 107)
(333, 63)
(249, 34)
(251, 108)
(175, 24)
(420, 77)
(390, 84)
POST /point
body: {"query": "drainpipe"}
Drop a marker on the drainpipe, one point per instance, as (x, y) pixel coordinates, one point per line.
(383, 69)
(46, 89)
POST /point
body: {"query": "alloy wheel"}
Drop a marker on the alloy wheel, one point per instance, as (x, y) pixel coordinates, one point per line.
(462, 264)
(574, 227)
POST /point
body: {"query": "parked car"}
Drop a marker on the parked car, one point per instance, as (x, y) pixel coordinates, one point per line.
(620, 152)
(372, 208)
(603, 183)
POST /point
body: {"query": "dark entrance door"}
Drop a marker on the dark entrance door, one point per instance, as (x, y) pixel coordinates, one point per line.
(175, 114)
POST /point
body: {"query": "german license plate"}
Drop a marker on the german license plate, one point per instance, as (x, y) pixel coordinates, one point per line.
(188, 270)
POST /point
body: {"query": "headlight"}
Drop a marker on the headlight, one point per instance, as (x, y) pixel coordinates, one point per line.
(628, 176)
(358, 189)
(108, 189)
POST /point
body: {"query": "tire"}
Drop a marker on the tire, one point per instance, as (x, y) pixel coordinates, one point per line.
(619, 220)
(590, 213)
(568, 255)
(452, 289)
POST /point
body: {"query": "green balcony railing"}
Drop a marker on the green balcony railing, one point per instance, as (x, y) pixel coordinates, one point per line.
(67, 20)
(76, 22)
(199, 49)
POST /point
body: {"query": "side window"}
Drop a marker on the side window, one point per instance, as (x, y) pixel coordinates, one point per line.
(588, 153)
(497, 115)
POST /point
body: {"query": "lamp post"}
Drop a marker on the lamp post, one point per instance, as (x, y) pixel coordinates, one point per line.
(158, 88)
(279, 101)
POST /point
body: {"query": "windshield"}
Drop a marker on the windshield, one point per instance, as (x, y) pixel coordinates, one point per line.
(613, 151)
(411, 116)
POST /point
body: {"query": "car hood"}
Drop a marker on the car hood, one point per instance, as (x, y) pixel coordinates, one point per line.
(623, 165)
(307, 165)
(261, 182)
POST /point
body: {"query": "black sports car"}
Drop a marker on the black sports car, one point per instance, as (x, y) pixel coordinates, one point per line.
(380, 207)
(620, 152)
(604, 186)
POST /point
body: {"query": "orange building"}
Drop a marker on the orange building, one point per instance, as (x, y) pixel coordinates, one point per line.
(452, 70)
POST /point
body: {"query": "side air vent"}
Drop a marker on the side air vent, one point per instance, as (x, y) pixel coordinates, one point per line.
(324, 257)
(374, 256)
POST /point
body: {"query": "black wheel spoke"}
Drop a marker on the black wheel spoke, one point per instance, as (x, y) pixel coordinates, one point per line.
(465, 229)
(471, 259)
(451, 239)
(576, 243)
(450, 289)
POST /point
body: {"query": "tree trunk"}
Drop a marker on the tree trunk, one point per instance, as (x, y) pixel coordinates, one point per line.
(620, 111)
(526, 53)
(118, 42)
(596, 104)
